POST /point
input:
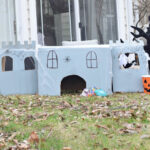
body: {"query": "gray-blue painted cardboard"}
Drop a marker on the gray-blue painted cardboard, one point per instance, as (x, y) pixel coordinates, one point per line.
(18, 81)
(49, 80)
(128, 80)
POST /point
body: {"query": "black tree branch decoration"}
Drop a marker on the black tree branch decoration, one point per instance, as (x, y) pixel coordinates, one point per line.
(143, 34)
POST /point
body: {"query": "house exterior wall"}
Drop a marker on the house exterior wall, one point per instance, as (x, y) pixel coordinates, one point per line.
(26, 22)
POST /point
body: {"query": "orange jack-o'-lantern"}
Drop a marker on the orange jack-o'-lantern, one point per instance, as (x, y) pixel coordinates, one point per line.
(146, 84)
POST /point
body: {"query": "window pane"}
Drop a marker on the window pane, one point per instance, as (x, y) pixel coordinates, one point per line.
(55, 21)
(98, 20)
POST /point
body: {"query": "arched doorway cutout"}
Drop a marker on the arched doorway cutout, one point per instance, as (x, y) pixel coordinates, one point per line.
(72, 84)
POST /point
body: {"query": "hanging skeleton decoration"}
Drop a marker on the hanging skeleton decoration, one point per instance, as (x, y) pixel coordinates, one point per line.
(59, 6)
(143, 34)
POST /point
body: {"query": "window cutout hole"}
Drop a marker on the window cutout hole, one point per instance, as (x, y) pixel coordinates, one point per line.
(129, 60)
(7, 63)
(29, 63)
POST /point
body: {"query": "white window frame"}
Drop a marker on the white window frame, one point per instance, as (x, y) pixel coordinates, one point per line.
(77, 20)
(26, 22)
(124, 19)
(28, 32)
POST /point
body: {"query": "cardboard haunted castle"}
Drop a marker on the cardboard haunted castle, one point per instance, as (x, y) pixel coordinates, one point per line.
(116, 67)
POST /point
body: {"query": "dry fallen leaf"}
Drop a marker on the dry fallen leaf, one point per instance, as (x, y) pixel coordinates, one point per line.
(20, 146)
(105, 148)
(128, 126)
(2, 145)
(127, 131)
(34, 138)
(12, 136)
(67, 148)
(23, 146)
(73, 122)
(145, 136)
(5, 124)
(101, 126)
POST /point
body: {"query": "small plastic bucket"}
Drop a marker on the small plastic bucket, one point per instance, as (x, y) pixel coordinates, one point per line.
(146, 83)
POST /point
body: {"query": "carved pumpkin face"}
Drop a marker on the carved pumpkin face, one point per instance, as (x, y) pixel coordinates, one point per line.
(146, 84)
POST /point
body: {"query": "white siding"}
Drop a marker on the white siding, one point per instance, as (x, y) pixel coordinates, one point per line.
(26, 20)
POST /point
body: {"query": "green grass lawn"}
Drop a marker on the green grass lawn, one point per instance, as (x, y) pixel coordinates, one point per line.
(71, 122)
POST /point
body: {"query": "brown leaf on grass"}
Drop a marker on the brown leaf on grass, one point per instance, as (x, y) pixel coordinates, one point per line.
(66, 104)
(15, 141)
(96, 111)
(23, 146)
(108, 103)
(145, 136)
(105, 148)
(2, 145)
(78, 100)
(41, 117)
(138, 126)
(128, 126)
(50, 132)
(15, 111)
(67, 148)
(131, 128)
(97, 144)
(34, 138)
(102, 126)
(18, 97)
(61, 118)
(52, 113)
(73, 122)
(12, 136)
(20, 146)
(127, 131)
(5, 124)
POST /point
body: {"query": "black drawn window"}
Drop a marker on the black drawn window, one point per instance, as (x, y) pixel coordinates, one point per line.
(7, 63)
(91, 60)
(29, 63)
(52, 60)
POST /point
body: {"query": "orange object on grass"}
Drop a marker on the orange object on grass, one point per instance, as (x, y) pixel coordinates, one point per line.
(146, 83)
